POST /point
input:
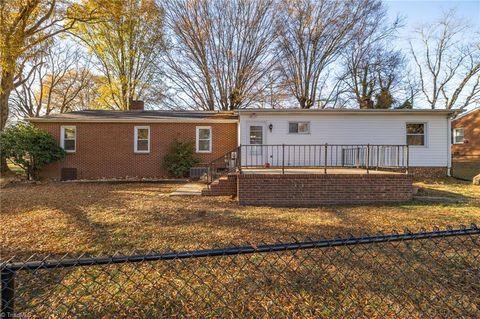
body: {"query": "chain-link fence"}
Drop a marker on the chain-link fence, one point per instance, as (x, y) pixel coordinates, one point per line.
(433, 274)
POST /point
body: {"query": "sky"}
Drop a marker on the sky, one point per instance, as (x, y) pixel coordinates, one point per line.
(418, 12)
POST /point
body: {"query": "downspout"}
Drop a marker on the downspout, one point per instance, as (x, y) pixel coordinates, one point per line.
(449, 148)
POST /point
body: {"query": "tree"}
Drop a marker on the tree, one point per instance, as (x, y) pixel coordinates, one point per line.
(60, 79)
(127, 41)
(312, 35)
(447, 56)
(30, 148)
(219, 56)
(370, 68)
(384, 99)
(25, 28)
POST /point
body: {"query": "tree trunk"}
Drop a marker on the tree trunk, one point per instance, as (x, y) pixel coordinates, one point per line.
(6, 85)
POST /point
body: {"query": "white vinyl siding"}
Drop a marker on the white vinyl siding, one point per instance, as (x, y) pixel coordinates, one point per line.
(141, 139)
(203, 139)
(68, 138)
(359, 129)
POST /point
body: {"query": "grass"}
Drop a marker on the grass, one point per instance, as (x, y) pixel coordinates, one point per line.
(98, 217)
(59, 218)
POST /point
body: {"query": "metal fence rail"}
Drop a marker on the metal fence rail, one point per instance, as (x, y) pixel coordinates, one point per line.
(423, 274)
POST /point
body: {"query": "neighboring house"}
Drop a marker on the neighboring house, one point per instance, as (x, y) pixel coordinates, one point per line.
(106, 144)
(466, 134)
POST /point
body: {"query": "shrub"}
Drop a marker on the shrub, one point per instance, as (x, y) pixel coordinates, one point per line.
(180, 159)
(30, 148)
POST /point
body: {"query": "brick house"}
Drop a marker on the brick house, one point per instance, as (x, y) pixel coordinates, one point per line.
(117, 144)
(466, 134)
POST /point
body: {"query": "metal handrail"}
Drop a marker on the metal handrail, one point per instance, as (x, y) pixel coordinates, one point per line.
(367, 156)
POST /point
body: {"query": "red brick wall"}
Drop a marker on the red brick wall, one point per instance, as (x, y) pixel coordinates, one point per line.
(105, 150)
(319, 189)
(471, 124)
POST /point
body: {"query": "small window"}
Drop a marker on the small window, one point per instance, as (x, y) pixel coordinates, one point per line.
(299, 127)
(68, 140)
(142, 139)
(416, 134)
(204, 139)
(458, 135)
(256, 134)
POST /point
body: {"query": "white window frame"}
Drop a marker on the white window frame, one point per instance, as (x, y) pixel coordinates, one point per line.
(197, 139)
(298, 123)
(454, 135)
(425, 134)
(62, 137)
(135, 140)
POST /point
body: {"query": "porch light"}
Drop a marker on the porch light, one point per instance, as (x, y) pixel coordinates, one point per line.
(270, 127)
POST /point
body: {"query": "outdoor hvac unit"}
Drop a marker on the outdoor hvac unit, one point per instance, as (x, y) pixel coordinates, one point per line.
(68, 173)
(197, 172)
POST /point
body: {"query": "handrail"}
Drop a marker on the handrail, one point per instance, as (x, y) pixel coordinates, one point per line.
(366, 156)
(216, 170)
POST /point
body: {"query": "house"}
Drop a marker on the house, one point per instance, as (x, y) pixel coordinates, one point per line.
(264, 156)
(466, 134)
(116, 144)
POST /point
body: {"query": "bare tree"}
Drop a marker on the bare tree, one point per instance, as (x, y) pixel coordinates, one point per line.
(59, 79)
(312, 35)
(447, 56)
(219, 56)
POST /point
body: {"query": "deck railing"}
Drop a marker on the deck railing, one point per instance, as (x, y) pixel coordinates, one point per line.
(323, 156)
(284, 156)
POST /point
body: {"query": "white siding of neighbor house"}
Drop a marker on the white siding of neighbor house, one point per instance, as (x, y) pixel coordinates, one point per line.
(358, 129)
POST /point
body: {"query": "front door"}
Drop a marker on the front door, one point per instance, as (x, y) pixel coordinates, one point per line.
(255, 151)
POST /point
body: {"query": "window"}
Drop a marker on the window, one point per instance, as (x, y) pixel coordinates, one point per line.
(458, 135)
(68, 138)
(256, 134)
(142, 139)
(204, 139)
(299, 127)
(416, 134)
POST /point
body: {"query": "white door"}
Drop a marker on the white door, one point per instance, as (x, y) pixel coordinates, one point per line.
(256, 136)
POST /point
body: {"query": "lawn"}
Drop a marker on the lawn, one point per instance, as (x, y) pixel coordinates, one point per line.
(101, 217)
(375, 281)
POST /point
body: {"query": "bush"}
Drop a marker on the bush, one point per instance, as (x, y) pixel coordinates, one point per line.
(30, 148)
(180, 159)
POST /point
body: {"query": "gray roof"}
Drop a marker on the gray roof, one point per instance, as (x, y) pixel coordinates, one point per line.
(132, 116)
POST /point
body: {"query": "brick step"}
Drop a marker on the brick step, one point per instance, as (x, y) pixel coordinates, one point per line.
(224, 186)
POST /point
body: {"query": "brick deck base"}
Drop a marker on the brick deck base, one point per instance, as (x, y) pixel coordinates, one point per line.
(319, 189)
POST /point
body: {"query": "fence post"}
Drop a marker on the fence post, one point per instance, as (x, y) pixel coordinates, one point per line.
(7, 293)
(283, 158)
(368, 158)
(326, 158)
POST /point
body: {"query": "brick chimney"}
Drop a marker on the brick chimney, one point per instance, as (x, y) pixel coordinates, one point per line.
(136, 105)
